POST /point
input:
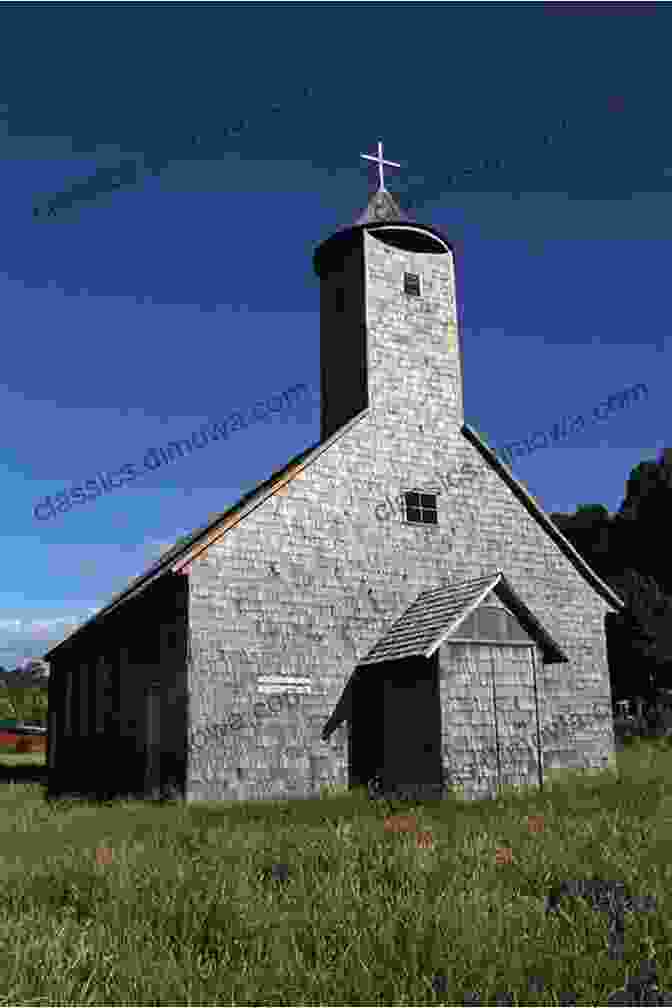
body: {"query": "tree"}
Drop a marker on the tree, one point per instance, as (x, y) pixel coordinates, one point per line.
(628, 551)
(643, 526)
(591, 531)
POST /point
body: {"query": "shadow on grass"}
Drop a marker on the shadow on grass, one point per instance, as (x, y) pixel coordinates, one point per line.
(28, 773)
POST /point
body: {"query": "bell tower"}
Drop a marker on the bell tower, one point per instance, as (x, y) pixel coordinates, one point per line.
(388, 322)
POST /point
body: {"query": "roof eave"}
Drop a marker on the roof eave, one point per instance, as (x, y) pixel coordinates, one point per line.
(177, 561)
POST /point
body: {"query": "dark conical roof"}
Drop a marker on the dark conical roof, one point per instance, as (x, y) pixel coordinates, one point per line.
(381, 207)
(381, 211)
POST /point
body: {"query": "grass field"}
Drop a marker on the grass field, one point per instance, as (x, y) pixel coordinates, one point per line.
(318, 903)
(13, 759)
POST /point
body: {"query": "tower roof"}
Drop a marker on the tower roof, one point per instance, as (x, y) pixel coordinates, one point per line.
(382, 213)
(381, 207)
(384, 216)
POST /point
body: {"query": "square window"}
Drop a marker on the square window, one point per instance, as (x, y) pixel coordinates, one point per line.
(412, 284)
(420, 508)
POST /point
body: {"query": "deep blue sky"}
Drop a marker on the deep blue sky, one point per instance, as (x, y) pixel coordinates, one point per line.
(141, 308)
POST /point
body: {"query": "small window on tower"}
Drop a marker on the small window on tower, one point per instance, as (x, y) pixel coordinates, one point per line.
(420, 508)
(412, 284)
(340, 300)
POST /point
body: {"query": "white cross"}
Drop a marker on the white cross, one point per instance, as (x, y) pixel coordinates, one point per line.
(381, 162)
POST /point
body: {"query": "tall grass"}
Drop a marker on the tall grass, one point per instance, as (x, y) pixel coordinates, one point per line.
(334, 901)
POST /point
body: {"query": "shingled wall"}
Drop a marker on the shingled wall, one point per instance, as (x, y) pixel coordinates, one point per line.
(306, 584)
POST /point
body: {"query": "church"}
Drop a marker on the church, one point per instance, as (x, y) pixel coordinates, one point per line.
(392, 605)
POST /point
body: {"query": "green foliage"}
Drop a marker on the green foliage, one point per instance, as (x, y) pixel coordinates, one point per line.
(629, 550)
(29, 704)
(596, 512)
(7, 708)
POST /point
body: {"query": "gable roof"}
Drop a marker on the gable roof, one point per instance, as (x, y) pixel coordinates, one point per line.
(437, 613)
(177, 559)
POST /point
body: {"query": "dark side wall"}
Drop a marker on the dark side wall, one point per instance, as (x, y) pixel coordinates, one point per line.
(97, 697)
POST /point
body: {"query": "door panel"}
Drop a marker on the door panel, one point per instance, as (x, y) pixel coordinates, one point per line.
(516, 711)
(490, 730)
(468, 733)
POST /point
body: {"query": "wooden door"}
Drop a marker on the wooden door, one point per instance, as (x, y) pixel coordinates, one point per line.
(490, 730)
(516, 713)
(412, 728)
(469, 737)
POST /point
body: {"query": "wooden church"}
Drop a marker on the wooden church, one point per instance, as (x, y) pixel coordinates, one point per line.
(393, 604)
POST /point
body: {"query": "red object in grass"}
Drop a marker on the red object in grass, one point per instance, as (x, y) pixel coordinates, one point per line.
(424, 839)
(535, 824)
(503, 855)
(23, 743)
(26, 744)
(401, 824)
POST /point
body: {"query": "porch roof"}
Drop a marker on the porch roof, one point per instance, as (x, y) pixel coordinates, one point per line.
(431, 619)
(437, 614)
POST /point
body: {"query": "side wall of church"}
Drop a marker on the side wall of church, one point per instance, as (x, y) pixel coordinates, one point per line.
(98, 698)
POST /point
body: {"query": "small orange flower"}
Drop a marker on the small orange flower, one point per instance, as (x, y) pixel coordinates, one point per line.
(535, 824)
(103, 855)
(424, 839)
(401, 824)
(503, 855)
